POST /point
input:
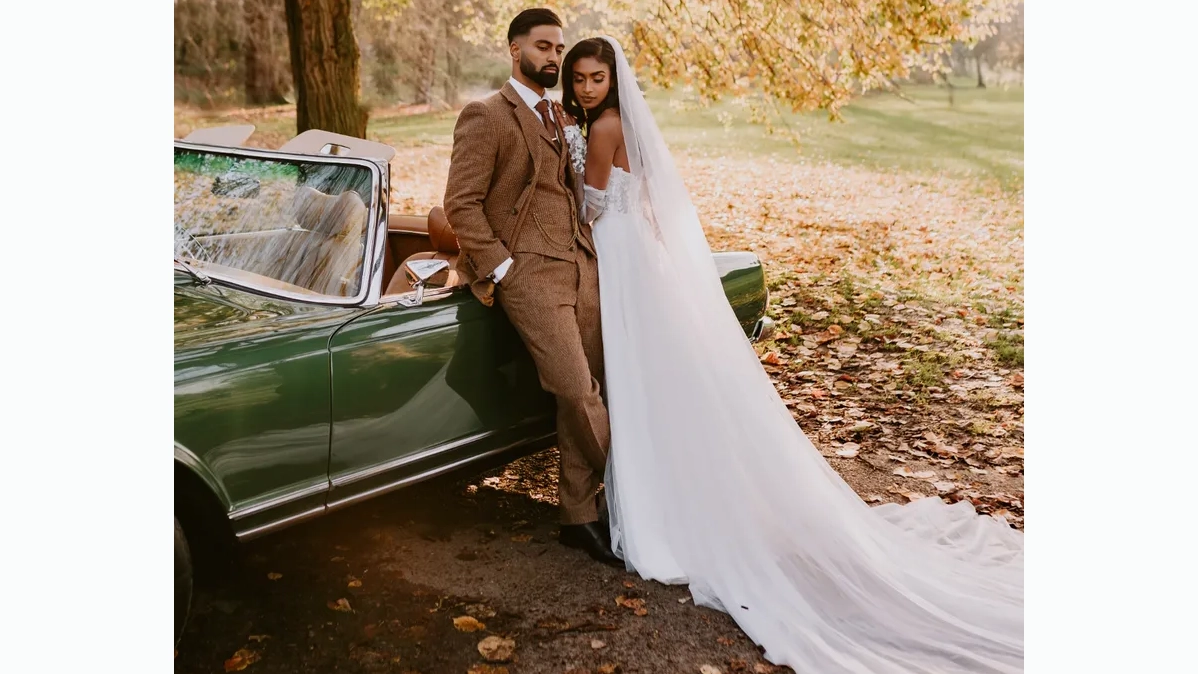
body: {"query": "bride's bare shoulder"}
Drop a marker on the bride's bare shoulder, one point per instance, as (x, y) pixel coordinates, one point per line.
(608, 125)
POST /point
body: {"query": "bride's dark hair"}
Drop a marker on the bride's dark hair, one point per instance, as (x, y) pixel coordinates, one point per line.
(600, 49)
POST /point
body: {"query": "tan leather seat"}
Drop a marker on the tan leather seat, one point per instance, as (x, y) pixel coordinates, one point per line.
(328, 257)
(445, 247)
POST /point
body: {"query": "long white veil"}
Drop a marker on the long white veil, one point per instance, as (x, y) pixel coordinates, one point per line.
(751, 515)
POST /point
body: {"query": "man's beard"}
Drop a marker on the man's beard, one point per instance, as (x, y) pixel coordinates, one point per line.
(547, 80)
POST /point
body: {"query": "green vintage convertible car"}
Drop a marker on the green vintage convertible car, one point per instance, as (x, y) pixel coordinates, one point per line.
(325, 352)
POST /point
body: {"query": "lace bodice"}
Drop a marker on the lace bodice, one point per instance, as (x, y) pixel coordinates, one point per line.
(617, 198)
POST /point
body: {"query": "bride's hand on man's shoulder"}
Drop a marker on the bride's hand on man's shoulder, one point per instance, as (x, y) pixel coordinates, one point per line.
(567, 118)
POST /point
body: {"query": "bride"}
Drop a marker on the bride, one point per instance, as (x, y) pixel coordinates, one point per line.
(710, 481)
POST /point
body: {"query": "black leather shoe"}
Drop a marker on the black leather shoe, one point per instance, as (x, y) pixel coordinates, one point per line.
(591, 538)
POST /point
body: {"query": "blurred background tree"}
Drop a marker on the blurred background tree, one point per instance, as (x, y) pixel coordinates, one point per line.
(357, 55)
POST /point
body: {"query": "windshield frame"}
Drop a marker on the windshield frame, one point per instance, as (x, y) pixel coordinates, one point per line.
(370, 284)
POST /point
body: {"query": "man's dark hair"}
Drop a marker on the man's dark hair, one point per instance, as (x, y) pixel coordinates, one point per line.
(531, 18)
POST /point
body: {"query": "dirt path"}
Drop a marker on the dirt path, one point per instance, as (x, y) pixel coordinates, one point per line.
(408, 564)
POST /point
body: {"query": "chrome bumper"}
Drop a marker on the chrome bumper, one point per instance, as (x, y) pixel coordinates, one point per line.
(763, 330)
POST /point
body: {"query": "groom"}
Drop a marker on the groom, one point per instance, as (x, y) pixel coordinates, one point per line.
(510, 199)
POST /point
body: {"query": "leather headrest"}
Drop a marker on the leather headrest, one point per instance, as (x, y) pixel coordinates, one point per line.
(440, 233)
(326, 214)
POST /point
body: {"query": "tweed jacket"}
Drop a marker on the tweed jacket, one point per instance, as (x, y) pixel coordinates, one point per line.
(511, 189)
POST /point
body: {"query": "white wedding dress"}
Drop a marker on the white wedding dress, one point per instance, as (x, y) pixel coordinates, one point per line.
(711, 482)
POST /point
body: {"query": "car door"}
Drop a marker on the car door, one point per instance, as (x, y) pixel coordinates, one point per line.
(421, 389)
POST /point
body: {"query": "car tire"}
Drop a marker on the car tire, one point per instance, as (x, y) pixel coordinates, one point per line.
(183, 581)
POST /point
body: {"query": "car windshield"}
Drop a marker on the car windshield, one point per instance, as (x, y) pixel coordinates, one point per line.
(288, 225)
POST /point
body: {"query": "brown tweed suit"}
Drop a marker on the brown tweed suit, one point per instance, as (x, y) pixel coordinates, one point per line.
(510, 194)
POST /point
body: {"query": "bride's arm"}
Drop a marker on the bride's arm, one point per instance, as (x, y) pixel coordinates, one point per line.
(605, 138)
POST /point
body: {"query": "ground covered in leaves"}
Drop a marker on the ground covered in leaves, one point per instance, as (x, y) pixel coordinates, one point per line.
(898, 298)
(899, 304)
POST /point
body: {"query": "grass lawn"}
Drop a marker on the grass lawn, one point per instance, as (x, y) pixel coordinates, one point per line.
(980, 135)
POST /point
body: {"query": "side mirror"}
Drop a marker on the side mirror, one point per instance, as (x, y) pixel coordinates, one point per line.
(420, 271)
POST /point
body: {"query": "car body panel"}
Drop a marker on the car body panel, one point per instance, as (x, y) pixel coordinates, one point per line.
(252, 399)
(411, 383)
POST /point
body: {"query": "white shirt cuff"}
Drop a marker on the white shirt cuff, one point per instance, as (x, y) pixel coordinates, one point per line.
(501, 270)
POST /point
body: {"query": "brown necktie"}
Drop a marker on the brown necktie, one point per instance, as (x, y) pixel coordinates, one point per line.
(543, 108)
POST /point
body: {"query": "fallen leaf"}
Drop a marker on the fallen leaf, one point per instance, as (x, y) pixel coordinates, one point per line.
(848, 450)
(337, 559)
(608, 669)
(354, 582)
(630, 603)
(497, 649)
(522, 538)
(341, 605)
(771, 358)
(480, 610)
(629, 584)
(241, 659)
(274, 576)
(596, 644)
(725, 641)
(709, 669)
(259, 637)
(642, 612)
(738, 665)
(468, 624)
(763, 668)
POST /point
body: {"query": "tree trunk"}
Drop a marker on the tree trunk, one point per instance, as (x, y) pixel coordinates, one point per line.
(265, 72)
(453, 66)
(426, 68)
(981, 83)
(324, 66)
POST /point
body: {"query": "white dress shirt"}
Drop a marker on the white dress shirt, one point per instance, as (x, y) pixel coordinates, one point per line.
(530, 99)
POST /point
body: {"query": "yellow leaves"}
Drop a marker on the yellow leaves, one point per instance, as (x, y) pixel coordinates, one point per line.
(468, 624)
(637, 606)
(241, 659)
(497, 649)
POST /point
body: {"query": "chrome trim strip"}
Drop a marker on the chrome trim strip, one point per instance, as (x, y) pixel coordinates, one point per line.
(380, 468)
(419, 477)
(279, 524)
(372, 267)
(242, 513)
